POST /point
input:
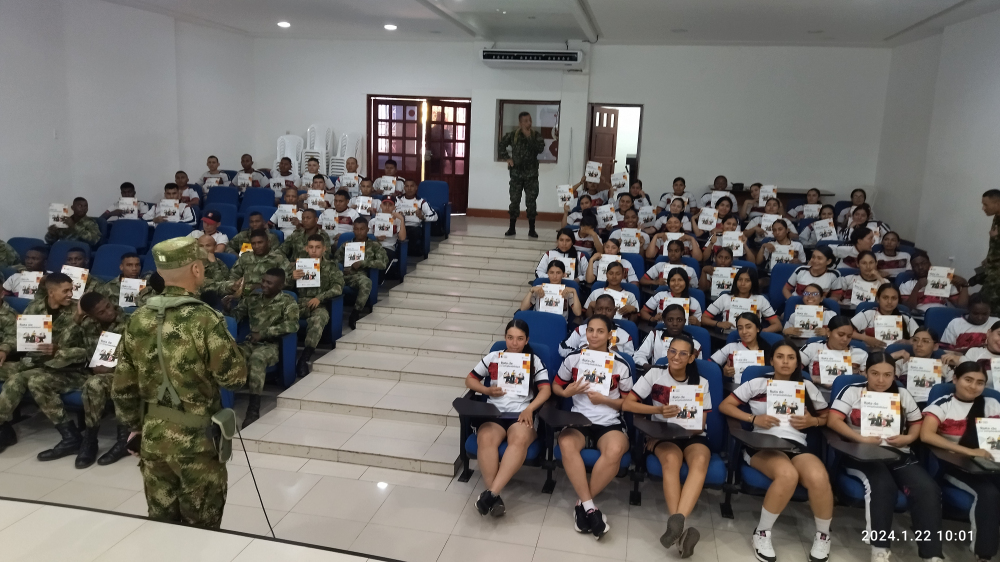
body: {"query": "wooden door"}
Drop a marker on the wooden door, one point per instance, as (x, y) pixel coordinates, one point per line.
(447, 156)
(604, 139)
(397, 133)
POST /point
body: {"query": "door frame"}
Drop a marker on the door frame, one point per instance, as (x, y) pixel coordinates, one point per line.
(590, 125)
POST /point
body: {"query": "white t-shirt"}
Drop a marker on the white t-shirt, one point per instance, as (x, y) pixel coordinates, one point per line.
(617, 235)
(961, 334)
(797, 250)
(186, 216)
(810, 357)
(383, 181)
(289, 229)
(893, 265)
(848, 255)
(219, 237)
(543, 264)
(925, 302)
(847, 286)
(706, 200)
(655, 347)
(189, 195)
(585, 245)
(827, 316)
(221, 176)
(848, 405)
(864, 322)
(598, 292)
(756, 221)
(719, 310)
(802, 278)
(984, 357)
(334, 222)
(143, 209)
(390, 241)
(408, 208)
(754, 393)
(352, 187)
(659, 246)
(598, 414)
(656, 385)
(257, 179)
(630, 276)
(621, 342)
(307, 181)
(661, 224)
(951, 415)
(669, 196)
(660, 270)
(658, 302)
(488, 368)
(291, 180)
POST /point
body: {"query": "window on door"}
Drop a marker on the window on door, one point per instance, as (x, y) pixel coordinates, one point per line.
(614, 136)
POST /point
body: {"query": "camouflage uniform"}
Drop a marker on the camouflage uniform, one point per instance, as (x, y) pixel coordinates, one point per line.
(236, 242)
(216, 277)
(8, 256)
(991, 269)
(97, 388)
(295, 244)
(252, 267)
(184, 480)
(46, 376)
(375, 257)
(524, 174)
(84, 230)
(112, 290)
(331, 285)
(144, 295)
(272, 319)
(8, 329)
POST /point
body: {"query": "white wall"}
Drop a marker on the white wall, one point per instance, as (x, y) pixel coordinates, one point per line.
(905, 130)
(797, 117)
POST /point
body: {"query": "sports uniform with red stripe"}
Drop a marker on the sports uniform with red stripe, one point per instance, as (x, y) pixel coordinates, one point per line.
(487, 369)
(657, 384)
(925, 302)
(893, 265)
(962, 334)
(864, 322)
(810, 357)
(828, 281)
(655, 347)
(599, 414)
(754, 394)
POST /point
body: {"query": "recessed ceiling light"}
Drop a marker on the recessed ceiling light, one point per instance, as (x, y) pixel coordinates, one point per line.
(814, 31)
(390, 27)
(679, 30)
(284, 24)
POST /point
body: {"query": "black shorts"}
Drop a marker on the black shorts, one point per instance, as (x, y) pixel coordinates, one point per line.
(651, 444)
(798, 449)
(503, 422)
(593, 433)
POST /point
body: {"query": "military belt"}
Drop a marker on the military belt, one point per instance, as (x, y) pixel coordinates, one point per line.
(186, 419)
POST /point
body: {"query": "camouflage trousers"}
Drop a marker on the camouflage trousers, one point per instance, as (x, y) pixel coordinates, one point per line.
(520, 181)
(316, 321)
(259, 356)
(96, 392)
(360, 281)
(46, 386)
(991, 287)
(188, 490)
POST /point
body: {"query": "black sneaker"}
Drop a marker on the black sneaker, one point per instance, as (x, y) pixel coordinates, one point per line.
(485, 502)
(598, 523)
(689, 538)
(581, 523)
(675, 528)
(498, 508)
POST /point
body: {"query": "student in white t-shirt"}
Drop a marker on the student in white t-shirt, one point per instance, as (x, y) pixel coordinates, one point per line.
(892, 261)
(970, 330)
(586, 239)
(781, 229)
(950, 423)
(213, 176)
(883, 481)
(607, 432)
(654, 347)
(516, 425)
(287, 176)
(924, 344)
(723, 207)
(366, 189)
(416, 211)
(611, 248)
(984, 356)
(247, 176)
(158, 213)
(656, 385)
(729, 224)
(858, 197)
(291, 197)
(751, 208)
(615, 274)
(840, 333)
(797, 212)
(624, 203)
(389, 184)
(599, 192)
(388, 241)
(862, 240)
(565, 251)
(35, 261)
(755, 227)
(674, 210)
(886, 304)
(127, 190)
(584, 202)
(816, 271)
(621, 341)
(631, 220)
(745, 286)
(786, 469)
(340, 218)
(808, 235)
(672, 226)
(639, 197)
(867, 273)
(812, 296)
(678, 283)
(861, 216)
(723, 258)
(721, 183)
(748, 328)
(912, 291)
(571, 300)
(188, 195)
(210, 226)
(657, 274)
(678, 190)
(351, 165)
(312, 169)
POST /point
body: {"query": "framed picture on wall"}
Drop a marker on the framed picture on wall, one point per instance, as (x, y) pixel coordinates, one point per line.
(544, 119)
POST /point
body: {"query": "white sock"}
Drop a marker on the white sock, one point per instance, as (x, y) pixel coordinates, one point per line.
(767, 520)
(588, 505)
(823, 525)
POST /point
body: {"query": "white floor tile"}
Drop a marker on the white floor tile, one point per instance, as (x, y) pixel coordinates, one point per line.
(520, 525)
(549, 555)
(400, 544)
(58, 533)
(558, 534)
(269, 551)
(406, 478)
(134, 505)
(88, 495)
(250, 519)
(61, 469)
(279, 489)
(319, 530)
(419, 509)
(344, 499)
(26, 487)
(155, 542)
(275, 462)
(333, 468)
(464, 549)
(12, 511)
(122, 474)
(392, 429)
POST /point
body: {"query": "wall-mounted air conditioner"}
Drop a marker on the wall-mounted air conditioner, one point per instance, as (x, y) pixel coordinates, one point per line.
(535, 59)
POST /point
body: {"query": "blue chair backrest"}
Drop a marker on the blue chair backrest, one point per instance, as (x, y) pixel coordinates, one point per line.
(711, 373)
(822, 243)
(805, 222)
(755, 371)
(857, 344)
(102, 225)
(107, 259)
(21, 245)
(771, 338)
(148, 265)
(228, 259)
(57, 255)
(132, 232)
(257, 197)
(779, 278)
(17, 303)
(630, 287)
(230, 173)
(632, 330)
(637, 262)
(796, 300)
(693, 264)
(229, 231)
(937, 318)
(698, 295)
(744, 263)
(226, 210)
(538, 281)
(903, 278)
(842, 381)
(168, 230)
(700, 335)
(546, 328)
(894, 347)
(279, 234)
(848, 271)
(941, 389)
(838, 207)
(435, 192)
(223, 194)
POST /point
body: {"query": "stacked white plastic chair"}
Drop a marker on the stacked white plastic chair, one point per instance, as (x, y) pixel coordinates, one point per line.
(290, 146)
(317, 145)
(338, 161)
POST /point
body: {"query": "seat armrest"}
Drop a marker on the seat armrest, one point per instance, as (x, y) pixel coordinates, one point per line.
(556, 418)
(664, 431)
(960, 462)
(467, 407)
(861, 452)
(758, 441)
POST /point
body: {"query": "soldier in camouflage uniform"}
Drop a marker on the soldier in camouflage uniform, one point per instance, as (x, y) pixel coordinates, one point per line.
(271, 314)
(154, 286)
(57, 367)
(255, 221)
(250, 267)
(170, 391)
(295, 244)
(991, 265)
(100, 315)
(522, 160)
(131, 267)
(217, 283)
(8, 345)
(356, 275)
(8, 256)
(314, 302)
(81, 227)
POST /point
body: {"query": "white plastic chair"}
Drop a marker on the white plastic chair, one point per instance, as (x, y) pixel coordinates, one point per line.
(338, 162)
(290, 146)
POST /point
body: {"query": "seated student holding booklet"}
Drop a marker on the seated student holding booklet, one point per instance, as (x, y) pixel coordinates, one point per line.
(808, 210)
(596, 379)
(678, 283)
(317, 281)
(639, 198)
(784, 405)
(416, 211)
(127, 207)
(623, 203)
(933, 286)
(891, 260)
(763, 226)
(73, 224)
(633, 240)
(247, 176)
(626, 305)
(387, 226)
(966, 332)
(781, 249)
(340, 219)
(718, 277)
(862, 240)
(286, 217)
(189, 196)
(573, 261)
(240, 243)
(818, 271)
(919, 371)
(825, 360)
(669, 388)
(312, 170)
(878, 412)
(554, 296)
(884, 324)
(720, 192)
(655, 346)
(744, 296)
(366, 203)
(358, 258)
(860, 217)
(675, 210)
(210, 227)
(351, 179)
(751, 349)
(25, 282)
(598, 263)
(586, 239)
(965, 422)
(657, 275)
(811, 318)
(518, 387)
(729, 236)
(573, 218)
(753, 207)
(294, 245)
(170, 208)
(672, 231)
(861, 287)
(214, 176)
(707, 220)
(823, 228)
(123, 290)
(858, 198)
(678, 190)
(621, 342)
(987, 356)
(389, 184)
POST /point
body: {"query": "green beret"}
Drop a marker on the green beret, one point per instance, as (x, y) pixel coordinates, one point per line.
(177, 252)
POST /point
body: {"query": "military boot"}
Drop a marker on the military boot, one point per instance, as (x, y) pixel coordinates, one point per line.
(253, 410)
(7, 436)
(512, 231)
(88, 449)
(302, 366)
(70, 443)
(117, 451)
(531, 229)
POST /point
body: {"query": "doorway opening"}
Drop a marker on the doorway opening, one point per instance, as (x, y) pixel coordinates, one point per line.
(614, 136)
(427, 137)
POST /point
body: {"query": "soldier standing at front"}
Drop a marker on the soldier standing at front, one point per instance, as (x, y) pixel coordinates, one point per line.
(520, 148)
(175, 355)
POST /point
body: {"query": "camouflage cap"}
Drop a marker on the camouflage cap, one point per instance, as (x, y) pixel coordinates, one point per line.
(177, 252)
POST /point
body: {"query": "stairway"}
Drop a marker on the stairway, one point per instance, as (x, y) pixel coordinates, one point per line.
(383, 397)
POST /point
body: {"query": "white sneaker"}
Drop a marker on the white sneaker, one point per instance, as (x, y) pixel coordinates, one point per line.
(820, 551)
(935, 559)
(881, 556)
(762, 547)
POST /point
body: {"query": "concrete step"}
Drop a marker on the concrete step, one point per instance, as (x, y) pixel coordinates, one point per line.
(429, 448)
(499, 251)
(502, 286)
(541, 244)
(473, 263)
(392, 304)
(510, 296)
(404, 323)
(435, 274)
(394, 367)
(422, 345)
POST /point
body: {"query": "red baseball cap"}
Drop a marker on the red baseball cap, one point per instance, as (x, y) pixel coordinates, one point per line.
(212, 217)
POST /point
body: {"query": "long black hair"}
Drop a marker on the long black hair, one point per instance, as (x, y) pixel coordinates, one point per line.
(670, 308)
(684, 275)
(797, 374)
(572, 252)
(754, 280)
(691, 369)
(761, 342)
(970, 438)
(523, 326)
(895, 312)
(837, 322)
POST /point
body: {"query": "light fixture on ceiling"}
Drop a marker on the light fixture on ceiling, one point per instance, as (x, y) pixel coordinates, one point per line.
(390, 27)
(284, 24)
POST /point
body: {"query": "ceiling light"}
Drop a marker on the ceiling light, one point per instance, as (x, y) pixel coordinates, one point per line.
(284, 24)
(504, 12)
(390, 27)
